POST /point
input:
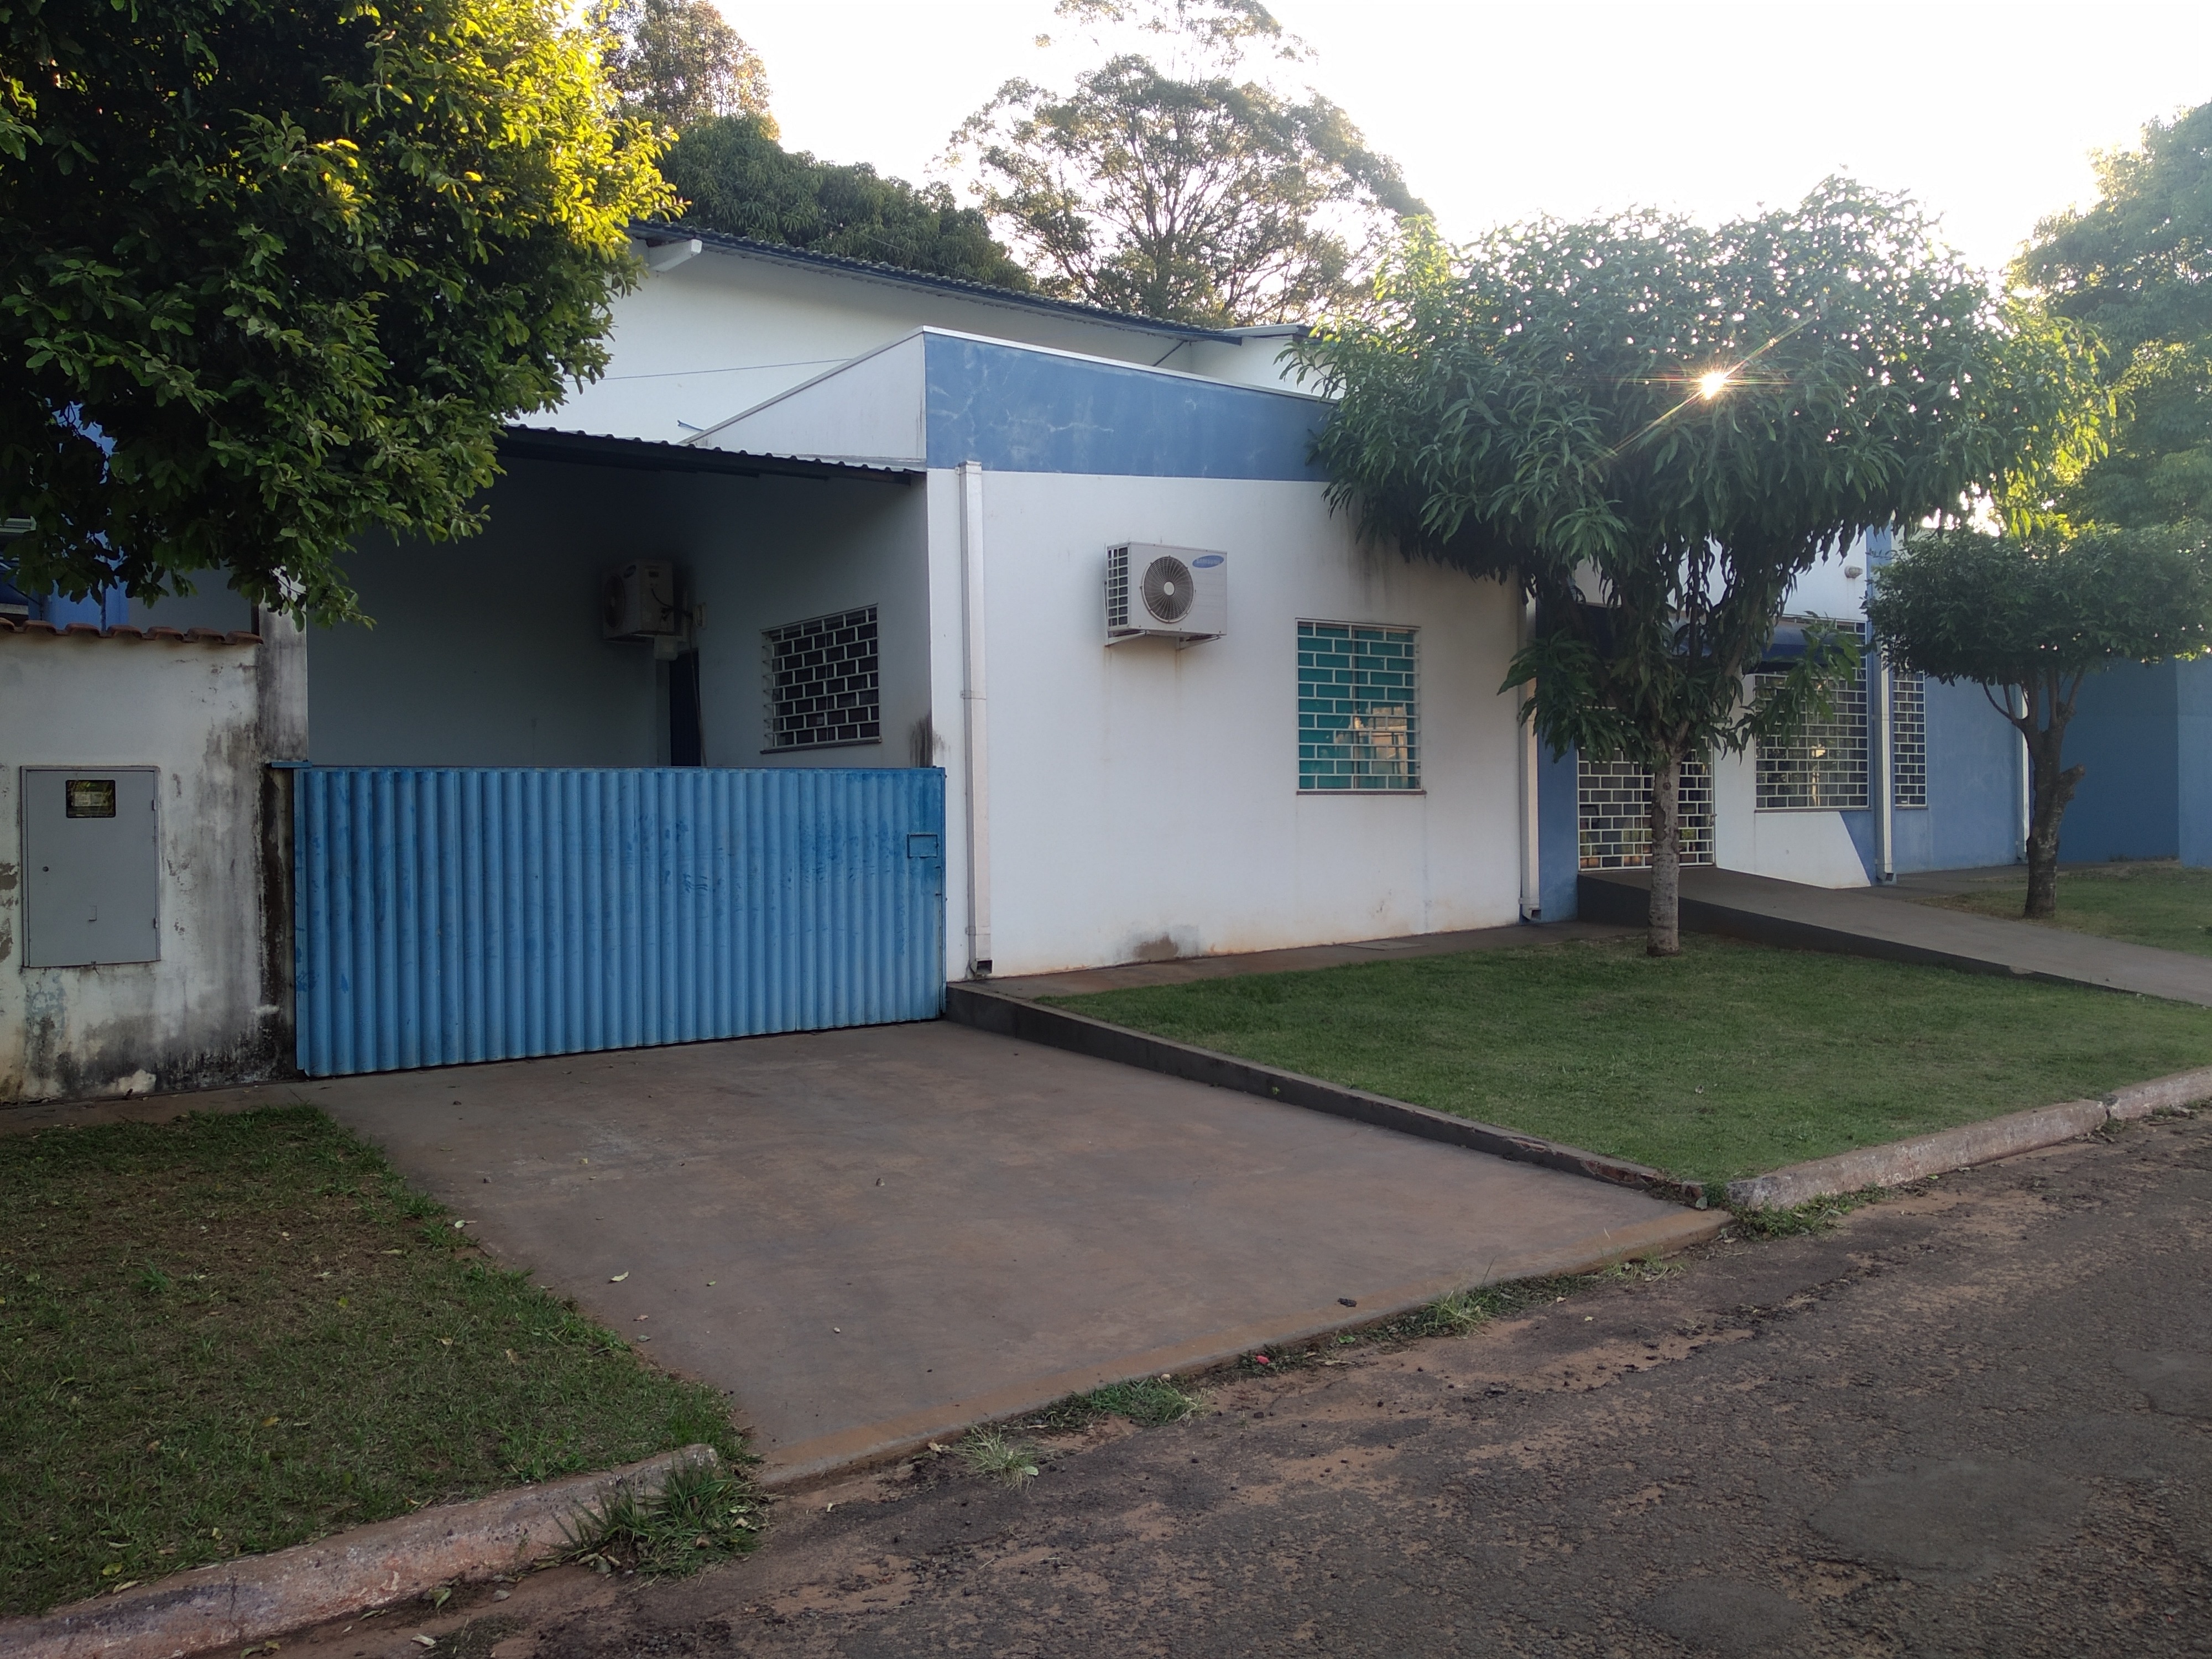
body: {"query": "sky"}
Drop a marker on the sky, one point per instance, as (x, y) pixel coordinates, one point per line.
(1986, 112)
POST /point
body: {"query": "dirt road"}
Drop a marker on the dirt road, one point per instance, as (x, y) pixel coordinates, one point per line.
(1976, 1419)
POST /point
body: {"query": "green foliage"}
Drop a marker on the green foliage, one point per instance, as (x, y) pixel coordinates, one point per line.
(2032, 618)
(736, 178)
(679, 62)
(271, 274)
(231, 1334)
(1183, 192)
(2035, 614)
(1535, 408)
(2136, 267)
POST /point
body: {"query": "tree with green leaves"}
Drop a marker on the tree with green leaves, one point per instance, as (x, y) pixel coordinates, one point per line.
(735, 178)
(2136, 268)
(2029, 618)
(1652, 429)
(1192, 192)
(273, 275)
(679, 61)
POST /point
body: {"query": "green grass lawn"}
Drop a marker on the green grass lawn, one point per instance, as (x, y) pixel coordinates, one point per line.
(230, 1333)
(1725, 1061)
(2161, 904)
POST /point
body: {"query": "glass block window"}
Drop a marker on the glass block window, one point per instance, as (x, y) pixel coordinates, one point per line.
(1358, 727)
(1826, 766)
(822, 682)
(1908, 737)
(1616, 814)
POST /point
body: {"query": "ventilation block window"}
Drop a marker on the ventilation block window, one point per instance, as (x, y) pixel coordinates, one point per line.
(1358, 728)
(1826, 766)
(1908, 738)
(822, 682)
(1615, 814)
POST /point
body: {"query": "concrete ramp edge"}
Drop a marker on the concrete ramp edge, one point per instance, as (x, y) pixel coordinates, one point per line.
(971, 1004)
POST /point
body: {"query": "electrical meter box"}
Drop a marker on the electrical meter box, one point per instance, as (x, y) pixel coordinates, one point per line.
(92, 866)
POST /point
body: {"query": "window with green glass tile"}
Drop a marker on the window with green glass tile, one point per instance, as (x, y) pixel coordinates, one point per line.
(1358, 728)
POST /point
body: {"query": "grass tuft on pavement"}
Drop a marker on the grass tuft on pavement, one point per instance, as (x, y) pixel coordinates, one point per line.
(1728, 1060)
(2158, 904)
(1148, 1401)
(998, 1457)
(700, 1515)
(230, 1333)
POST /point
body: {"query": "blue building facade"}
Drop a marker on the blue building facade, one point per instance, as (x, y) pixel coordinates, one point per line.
(2143, 738)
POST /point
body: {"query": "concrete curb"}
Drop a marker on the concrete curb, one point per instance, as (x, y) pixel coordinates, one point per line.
(1904, 1161)
(258, 1596)
(810, 1461)
(1056, 1028)
(2160, 1094)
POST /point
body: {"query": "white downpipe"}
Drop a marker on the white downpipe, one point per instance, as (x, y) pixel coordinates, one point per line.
(977, 712)
(1532, 868)
(2026, 781)
(1885, 721)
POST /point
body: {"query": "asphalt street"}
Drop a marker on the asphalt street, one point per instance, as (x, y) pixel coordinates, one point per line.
(1973, 1419)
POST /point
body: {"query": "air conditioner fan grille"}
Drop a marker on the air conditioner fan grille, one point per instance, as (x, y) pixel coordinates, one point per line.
(1169, 589)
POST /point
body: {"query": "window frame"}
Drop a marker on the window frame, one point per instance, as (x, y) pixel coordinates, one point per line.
(1410, 736)
(862, 616)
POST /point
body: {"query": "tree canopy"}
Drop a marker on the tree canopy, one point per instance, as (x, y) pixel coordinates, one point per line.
(1652, 429)
(2136, 267)
(271, 274)
(735, 178)
(679, 61)
(1192, 192)
(2030, 617)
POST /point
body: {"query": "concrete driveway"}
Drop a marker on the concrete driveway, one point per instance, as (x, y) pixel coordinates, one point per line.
(870, 1237)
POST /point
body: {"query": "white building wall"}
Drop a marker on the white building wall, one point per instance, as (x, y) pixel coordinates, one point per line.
(800, 549)
(1143, 801)
(213, 1008)
(722, 332)
(1810, 846)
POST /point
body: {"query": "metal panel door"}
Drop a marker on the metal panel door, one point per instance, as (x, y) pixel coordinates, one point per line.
(451, 914)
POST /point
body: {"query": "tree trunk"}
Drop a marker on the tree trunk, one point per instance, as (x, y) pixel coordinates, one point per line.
(2051, 788)
(1666, 935)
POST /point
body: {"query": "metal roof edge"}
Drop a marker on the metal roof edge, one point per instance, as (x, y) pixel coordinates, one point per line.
(870, 270)
(541, 443)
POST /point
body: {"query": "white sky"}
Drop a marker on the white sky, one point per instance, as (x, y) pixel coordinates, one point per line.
(1498, 111)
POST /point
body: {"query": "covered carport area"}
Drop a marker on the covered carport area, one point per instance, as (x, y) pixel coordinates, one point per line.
(630, 766)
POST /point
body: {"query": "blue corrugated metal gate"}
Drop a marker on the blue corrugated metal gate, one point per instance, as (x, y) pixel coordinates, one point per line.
(449, 915)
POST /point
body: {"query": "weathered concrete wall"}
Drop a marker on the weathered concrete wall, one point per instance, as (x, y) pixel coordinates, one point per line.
(209, 714)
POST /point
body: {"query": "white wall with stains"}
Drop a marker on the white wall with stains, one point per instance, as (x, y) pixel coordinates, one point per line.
(213, 1008)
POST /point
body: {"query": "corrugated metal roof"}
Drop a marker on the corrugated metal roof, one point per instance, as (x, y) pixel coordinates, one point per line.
(547, 443)
(658, 234)
(86, 631)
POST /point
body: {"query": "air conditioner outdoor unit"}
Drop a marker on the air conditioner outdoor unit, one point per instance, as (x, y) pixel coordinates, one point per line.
(638, 602)
(1179, 593)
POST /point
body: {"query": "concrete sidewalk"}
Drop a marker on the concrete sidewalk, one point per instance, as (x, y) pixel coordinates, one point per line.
(1863, 921)
(872, 1238)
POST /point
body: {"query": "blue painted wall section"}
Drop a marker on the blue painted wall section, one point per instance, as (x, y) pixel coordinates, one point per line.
(2125, 735)
(1972, 816)
(446, 916)
(1019, 410)
(2192, 724)
(1559, 833)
